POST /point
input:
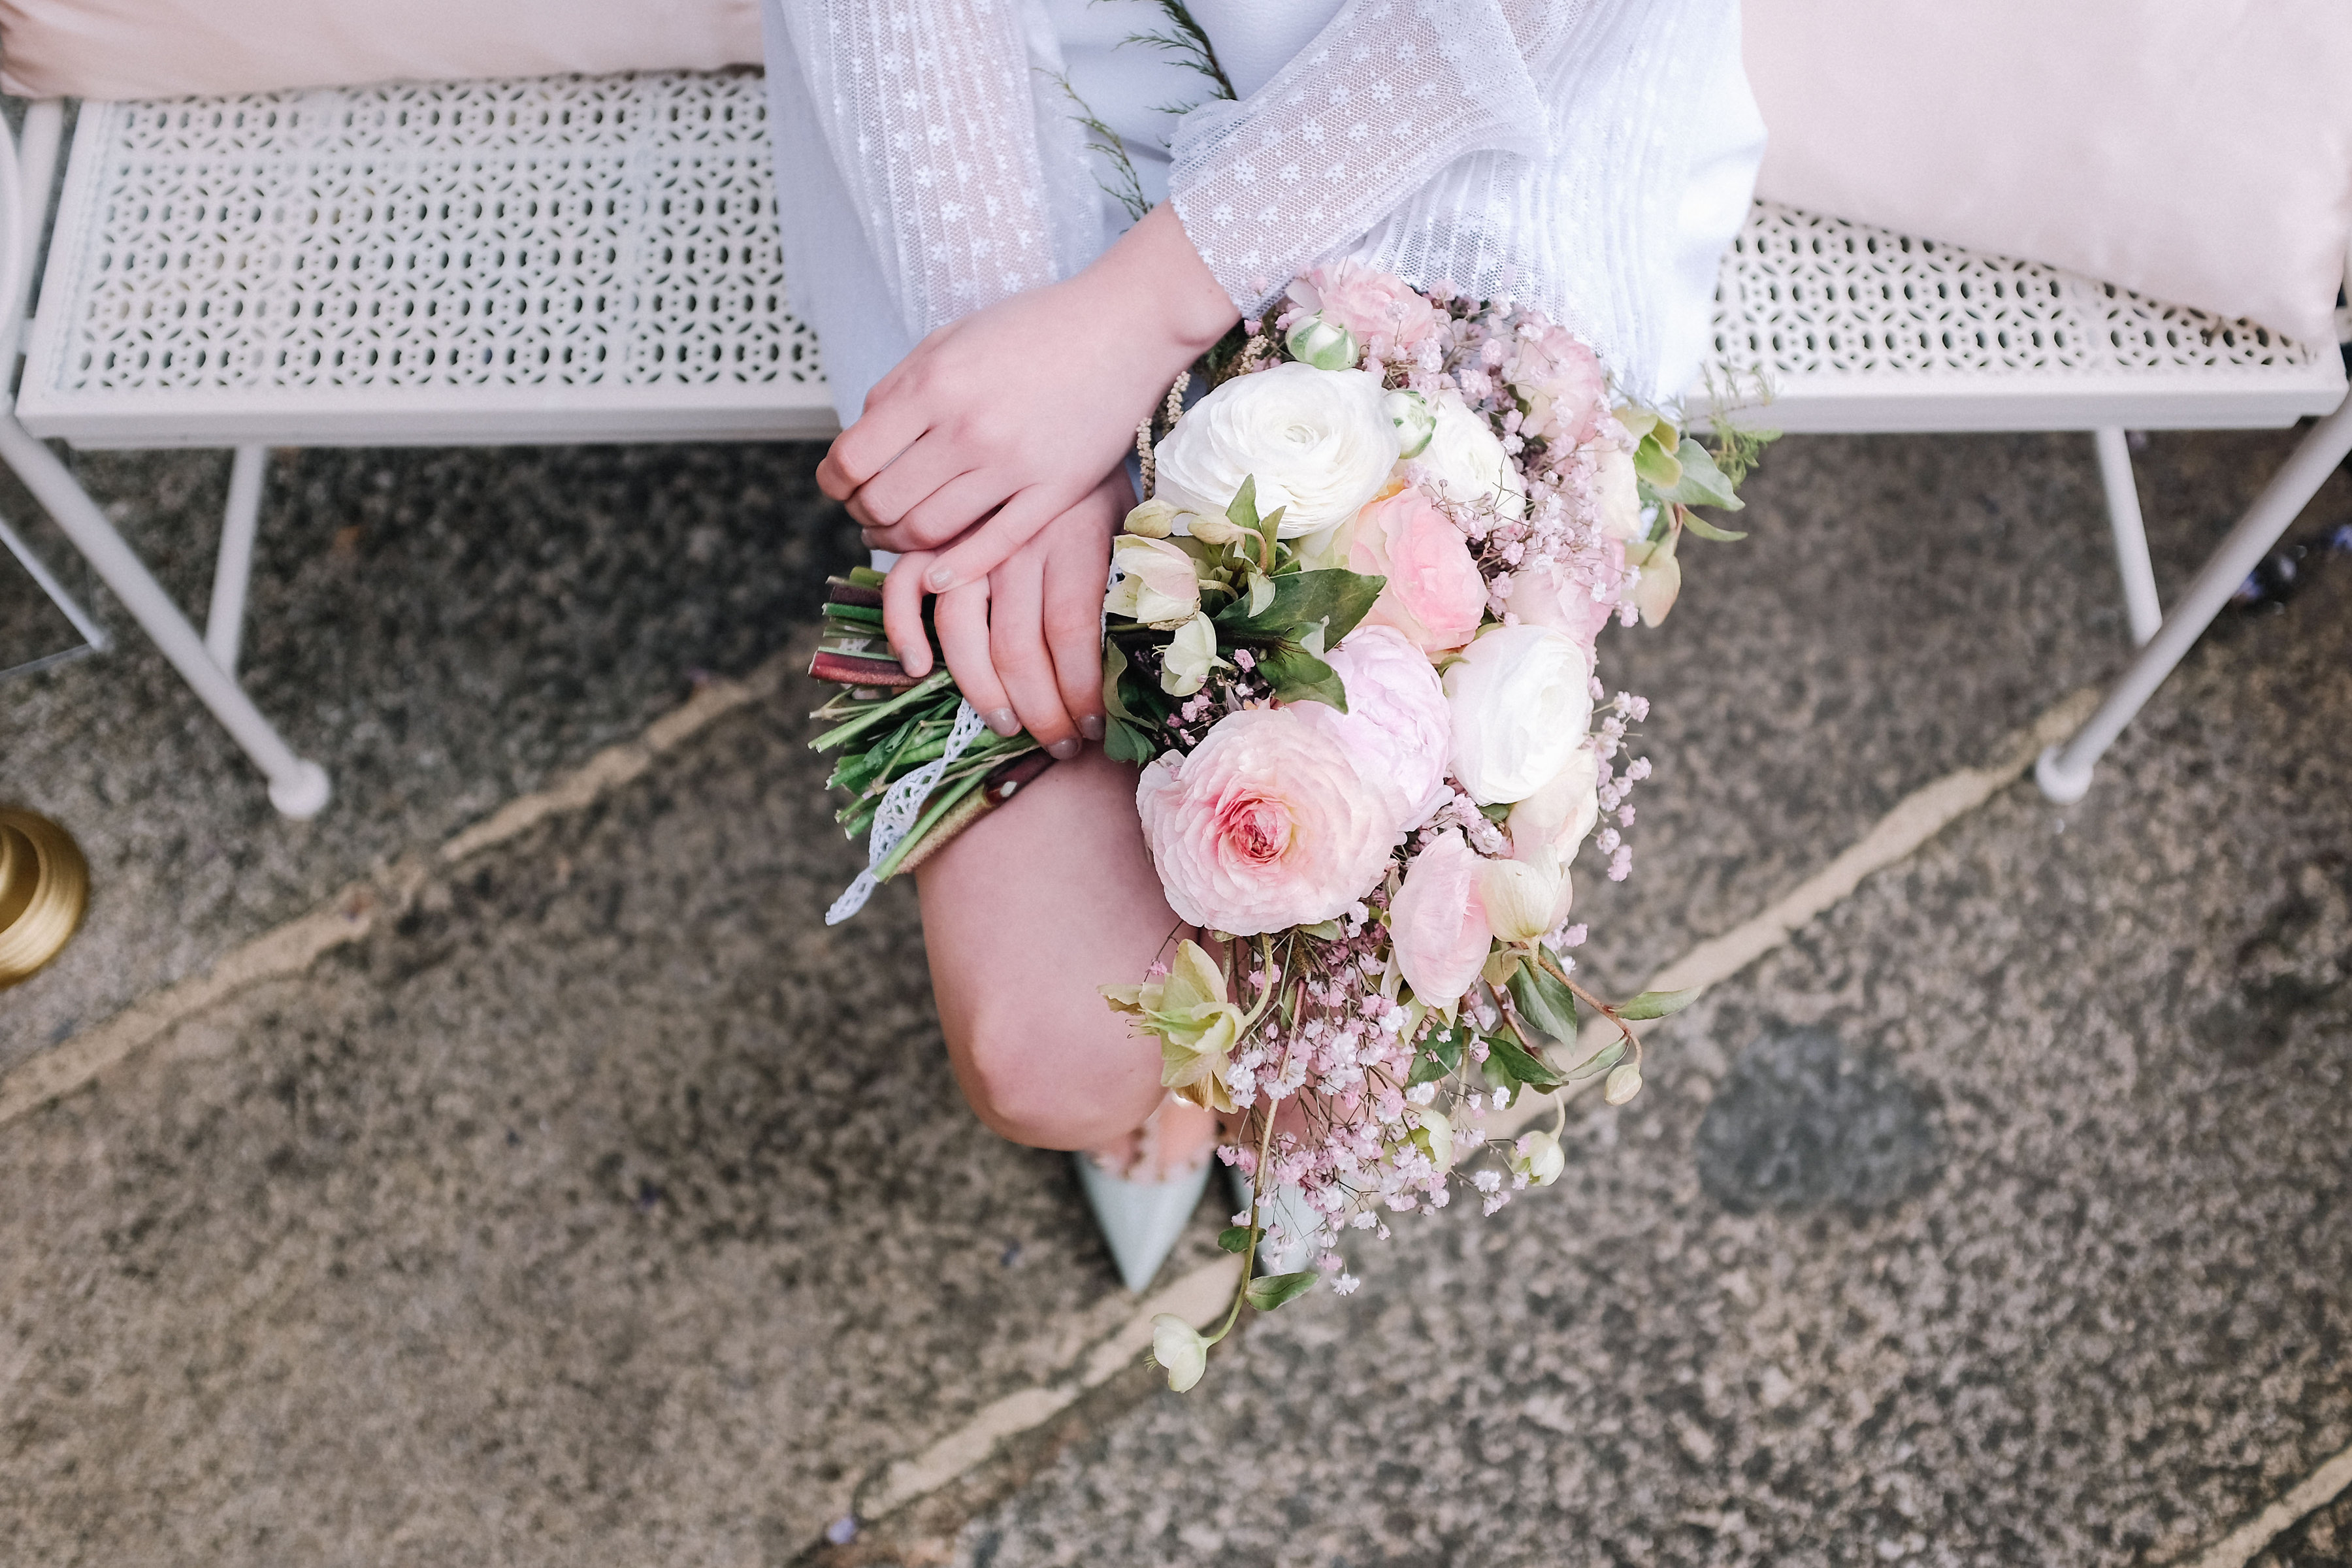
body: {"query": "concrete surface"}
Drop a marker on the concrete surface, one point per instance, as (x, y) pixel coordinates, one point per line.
(608, 1208)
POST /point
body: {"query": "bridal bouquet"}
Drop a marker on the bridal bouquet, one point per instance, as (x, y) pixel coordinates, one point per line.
(1350, 637)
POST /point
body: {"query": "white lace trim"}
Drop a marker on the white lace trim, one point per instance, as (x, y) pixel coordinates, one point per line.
(902, 805)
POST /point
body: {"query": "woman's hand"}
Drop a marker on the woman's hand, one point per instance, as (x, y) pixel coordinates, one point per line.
(1025, 643)
(1016, 409)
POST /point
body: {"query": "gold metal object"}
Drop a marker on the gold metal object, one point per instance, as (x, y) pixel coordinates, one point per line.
(44, 888)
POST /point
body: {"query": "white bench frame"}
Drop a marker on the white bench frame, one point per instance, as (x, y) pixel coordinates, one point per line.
(1857, 330)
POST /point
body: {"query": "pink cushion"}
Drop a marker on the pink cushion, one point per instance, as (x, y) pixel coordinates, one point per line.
(2198, 153)
(174, 49)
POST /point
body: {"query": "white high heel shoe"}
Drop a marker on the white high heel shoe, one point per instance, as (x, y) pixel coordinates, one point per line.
(1141, 1220)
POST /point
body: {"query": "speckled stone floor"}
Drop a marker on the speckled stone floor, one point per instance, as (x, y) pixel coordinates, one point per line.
(607, 1207)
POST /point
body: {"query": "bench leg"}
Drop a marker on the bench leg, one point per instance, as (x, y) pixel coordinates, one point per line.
(93, 635)
(297, 786)
(2065, 771)
(233, 568)
(2144, 611)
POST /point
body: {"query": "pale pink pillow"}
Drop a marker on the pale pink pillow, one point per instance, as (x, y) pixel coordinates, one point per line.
(175, 48)
(2198, 152)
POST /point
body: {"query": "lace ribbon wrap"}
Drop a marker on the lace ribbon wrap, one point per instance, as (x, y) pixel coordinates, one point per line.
(902, 809)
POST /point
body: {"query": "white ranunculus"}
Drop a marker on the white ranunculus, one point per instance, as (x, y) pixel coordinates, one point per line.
(1620, 503)
(1562, 813)
(1466, 459)
(1178, 1349)
(1153, 581)
(1520, 698)
(1192, 654)
(1319, 443)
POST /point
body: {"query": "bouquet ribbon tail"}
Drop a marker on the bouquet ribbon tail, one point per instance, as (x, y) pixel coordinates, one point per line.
(901, 806)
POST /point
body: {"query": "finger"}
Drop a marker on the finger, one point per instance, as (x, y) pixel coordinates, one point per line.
(946, 513)
(902, 614)
(887, 427)
(990, 545)
(961, 617)
(1072, 589)
(1016, 646)
(909, 478)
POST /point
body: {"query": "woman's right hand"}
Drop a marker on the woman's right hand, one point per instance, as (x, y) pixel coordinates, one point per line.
(994, 425)
(1023, 643)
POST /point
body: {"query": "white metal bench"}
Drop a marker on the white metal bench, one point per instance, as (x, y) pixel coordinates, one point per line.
(480, 263)
(572, 261)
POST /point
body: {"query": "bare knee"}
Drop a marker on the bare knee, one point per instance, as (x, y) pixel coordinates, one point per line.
(1020, 1081)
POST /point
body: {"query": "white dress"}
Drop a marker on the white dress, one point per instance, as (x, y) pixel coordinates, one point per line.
(1591, 157)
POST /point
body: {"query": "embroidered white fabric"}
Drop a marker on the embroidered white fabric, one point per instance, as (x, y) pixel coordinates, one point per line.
(901, 807)
(1542, 149)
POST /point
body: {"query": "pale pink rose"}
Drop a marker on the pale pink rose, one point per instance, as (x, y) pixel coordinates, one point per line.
(1266, 824)
(1397, 730)
(1567, 390)
(1435, 595)
(1543, 595)
(1381, 308)
(1438, 921)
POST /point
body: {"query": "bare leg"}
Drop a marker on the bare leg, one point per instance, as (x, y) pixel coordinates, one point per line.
(1038, 904)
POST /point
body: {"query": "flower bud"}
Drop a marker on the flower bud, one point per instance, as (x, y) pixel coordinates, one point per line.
(1154, 518)
(1662, 578)
(1153, 581)
(1623, 1082)
(1178, 1349)
(1415, 422)
(1192, 654)
(1524, 899)
(1216, 531)
(1435, 1137)
(1537, 1157)
(1325, 344)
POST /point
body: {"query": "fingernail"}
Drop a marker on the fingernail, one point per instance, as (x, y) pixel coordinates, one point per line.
(1002, 720)
(1063, 750)
(1091, 727)
(939, 579)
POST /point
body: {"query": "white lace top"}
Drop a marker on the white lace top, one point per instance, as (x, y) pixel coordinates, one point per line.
(1592, 156)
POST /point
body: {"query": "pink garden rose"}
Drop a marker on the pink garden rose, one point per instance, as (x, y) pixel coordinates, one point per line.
(1266, 824)
(1435, 595)
(1566, 389)
(1383, 311)
(1397, 729)
(1439, 923)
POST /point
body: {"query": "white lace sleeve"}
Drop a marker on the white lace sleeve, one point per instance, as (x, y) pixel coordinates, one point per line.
(943, 120)
(1382, 102)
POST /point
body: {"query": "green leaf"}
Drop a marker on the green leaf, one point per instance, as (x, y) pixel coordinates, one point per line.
(1600, 1061)
(1497, 1077)
(1440, 1057)
(1298, 676)
(1114, 666)
(1338, 598)
(1519, 1063)
(1233, 1238)
(1658, 1004)
(1706, 529)
(1267, 1293)
(1544, 1003)
(1701, 482)
(1124, 741)
(1655, 466)
(1243, 510)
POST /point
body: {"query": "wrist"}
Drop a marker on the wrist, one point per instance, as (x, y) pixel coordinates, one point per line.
(1155, 267)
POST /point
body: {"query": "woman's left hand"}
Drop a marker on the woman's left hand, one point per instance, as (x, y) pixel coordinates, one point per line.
(1025, 643)
(1001, 423)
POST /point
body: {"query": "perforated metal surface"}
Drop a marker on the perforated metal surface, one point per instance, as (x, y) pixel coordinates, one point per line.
(565, 259)
(1861, 328)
